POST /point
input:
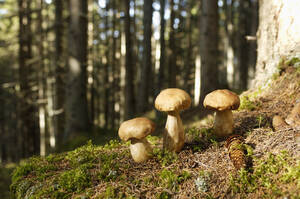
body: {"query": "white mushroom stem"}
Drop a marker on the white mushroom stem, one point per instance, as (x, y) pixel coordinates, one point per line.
(173, 139)
(140, 150)
(223, 124)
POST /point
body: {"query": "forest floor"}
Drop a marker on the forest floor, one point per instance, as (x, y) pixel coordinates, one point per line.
(203, 169)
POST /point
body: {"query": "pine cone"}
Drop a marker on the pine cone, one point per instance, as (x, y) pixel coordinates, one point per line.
(236, 150)
(238, 158)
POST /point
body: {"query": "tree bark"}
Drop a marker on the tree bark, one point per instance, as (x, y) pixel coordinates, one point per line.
(189, 51)
(209, 47)
(146, 71)
(172, 67)
(242, 45)
(278, 36)
(162, 59)
(76, 99)
(28, 110)
(59, 97)
(129, 65)
(106, 70)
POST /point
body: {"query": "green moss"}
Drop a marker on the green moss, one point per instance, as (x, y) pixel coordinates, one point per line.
(293, 61)
(109, 168)
(203, 137)
(269, 175)
(81, 155)
(247, 104)
(165, 157)
(75, 179)
(112, 144)
(170, 180)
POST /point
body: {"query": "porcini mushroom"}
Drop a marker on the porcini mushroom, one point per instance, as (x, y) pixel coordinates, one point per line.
(172, 101)
(136, 131)
(222, 101)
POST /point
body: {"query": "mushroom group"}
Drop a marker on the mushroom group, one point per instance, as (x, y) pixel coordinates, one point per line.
(222, 101)
(136, 131)
(172, 101)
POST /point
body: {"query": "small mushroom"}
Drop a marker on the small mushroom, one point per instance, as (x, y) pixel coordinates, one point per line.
(222, 101)
(172, 101)
(293, 118)
(278, 123)
(136, 131)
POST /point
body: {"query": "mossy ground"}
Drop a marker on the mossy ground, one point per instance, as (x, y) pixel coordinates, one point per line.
(201, 170)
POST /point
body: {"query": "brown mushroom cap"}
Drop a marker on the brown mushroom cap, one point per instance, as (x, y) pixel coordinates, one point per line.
(137, 128)
(222, 100)
(172, 99)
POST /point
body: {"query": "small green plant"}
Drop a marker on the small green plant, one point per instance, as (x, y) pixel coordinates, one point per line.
(112, 144)
(247, 104)
(293, 61)
(153, 139)
(203, 137)
(202, 181)
(170, 180)
(165, 157)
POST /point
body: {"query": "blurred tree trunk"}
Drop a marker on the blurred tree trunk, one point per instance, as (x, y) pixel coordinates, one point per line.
(242, 45)
(76, 98)
(162, 59)
(209, 47)
(59, 97)
(41, 80)
(252, 43)
(106, 69)
(172, 67)
(129, 65)
(189, 51)
(28, 108)
(146, 71)
(113, 67)
(228, 49)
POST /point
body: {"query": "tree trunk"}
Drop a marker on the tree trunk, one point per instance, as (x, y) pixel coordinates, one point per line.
(172, 67)
(209, 47)
(242, 45)
(189, 51)
(253, 43)
(106, 70)
(146, 71)
(41, 81)
(278, 36)
(59, 97)
(162, 59)
(113, 68)
(76, 99)
(28, 110)
(129, 65)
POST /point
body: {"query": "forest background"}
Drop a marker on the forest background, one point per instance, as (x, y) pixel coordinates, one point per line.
(74, 70)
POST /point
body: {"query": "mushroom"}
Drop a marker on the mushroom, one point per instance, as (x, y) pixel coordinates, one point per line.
(278, 123)
(172, 101)
(293, 118)
(222, 101)
(136, 131)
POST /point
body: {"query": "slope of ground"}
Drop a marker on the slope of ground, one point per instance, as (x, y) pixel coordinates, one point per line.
(202, 169)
